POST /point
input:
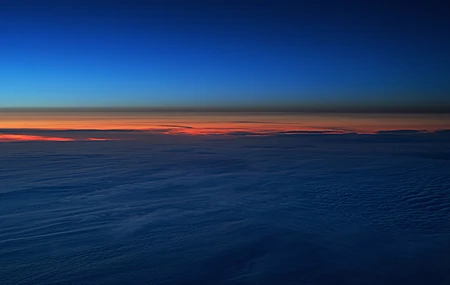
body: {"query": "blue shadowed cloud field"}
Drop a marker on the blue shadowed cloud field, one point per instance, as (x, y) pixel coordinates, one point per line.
(280, 209)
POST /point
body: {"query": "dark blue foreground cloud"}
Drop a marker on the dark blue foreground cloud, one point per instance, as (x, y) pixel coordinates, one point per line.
(285, 209)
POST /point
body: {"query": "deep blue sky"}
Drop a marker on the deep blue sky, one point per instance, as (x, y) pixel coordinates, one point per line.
(244, 53)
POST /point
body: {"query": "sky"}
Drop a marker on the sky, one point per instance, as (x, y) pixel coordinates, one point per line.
(349, 55)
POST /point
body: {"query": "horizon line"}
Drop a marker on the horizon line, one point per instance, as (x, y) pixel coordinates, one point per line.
(441, 109)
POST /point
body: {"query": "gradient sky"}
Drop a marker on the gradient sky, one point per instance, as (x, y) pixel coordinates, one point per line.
(224, 53)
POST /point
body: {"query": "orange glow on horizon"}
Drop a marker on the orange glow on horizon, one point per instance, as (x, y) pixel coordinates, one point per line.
(211, 123)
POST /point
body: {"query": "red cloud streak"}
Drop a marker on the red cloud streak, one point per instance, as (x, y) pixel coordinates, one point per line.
(9, 138)
(22, 137)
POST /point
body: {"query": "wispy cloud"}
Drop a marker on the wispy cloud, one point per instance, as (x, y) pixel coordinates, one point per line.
(29, 137)
(18, 135)
(23, 137)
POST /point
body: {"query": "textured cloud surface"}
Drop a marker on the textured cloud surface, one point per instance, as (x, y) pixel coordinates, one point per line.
(283, 209)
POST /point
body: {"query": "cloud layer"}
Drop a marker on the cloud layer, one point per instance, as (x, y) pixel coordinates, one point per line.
(280, 209)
